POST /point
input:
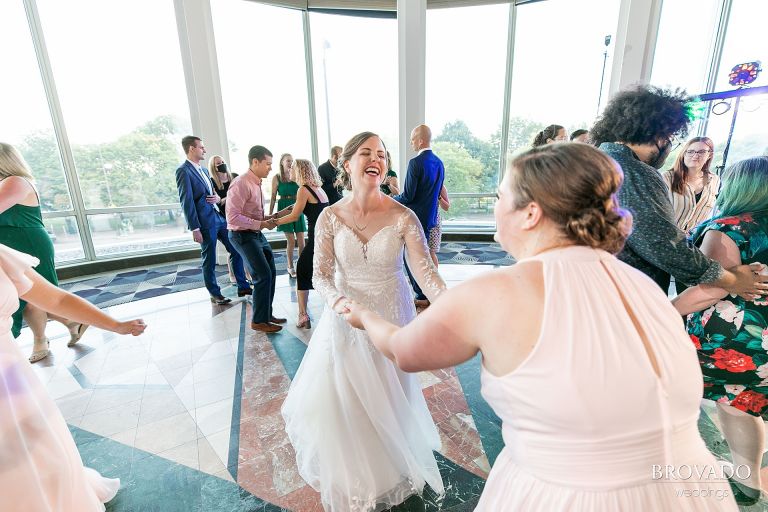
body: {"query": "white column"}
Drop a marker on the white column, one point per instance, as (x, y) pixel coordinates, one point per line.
(201, 71)
(635, 43)
(411, 52)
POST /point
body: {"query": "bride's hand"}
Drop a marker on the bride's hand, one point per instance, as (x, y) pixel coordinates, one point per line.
(341, 306)
(354, 314)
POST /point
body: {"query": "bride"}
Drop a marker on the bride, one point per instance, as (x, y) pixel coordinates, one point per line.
(360, 426)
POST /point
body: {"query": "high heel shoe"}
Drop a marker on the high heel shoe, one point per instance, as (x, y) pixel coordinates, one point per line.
(75, 336)
(39, 355)
(303, 321)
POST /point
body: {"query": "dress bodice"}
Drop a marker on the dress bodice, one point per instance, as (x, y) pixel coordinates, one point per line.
(371, 271)
(586, 408)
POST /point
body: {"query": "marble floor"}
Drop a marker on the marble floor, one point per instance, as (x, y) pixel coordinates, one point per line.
(188, 414)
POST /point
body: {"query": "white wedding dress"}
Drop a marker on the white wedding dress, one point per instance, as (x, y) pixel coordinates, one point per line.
(360, 426)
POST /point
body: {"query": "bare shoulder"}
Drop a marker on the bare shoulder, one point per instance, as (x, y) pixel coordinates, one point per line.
(16, 184)
(507, 286)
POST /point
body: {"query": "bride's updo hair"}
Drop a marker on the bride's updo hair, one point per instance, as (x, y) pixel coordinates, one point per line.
(575, 185)
(350, 148)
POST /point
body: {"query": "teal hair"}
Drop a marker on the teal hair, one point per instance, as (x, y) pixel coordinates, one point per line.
(745, 188)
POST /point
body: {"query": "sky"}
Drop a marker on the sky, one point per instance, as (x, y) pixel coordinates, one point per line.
(117, 73)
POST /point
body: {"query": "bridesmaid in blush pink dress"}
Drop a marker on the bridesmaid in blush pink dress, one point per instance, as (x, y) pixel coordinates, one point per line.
(584, 358)
(40, 468)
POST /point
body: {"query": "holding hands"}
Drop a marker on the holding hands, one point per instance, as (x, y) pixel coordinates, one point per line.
(351, 311)
(132, 327)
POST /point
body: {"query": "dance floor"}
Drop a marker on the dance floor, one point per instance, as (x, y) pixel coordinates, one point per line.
(188, 414)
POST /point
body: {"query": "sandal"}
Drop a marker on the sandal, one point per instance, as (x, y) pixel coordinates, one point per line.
(74, 337)
(39, 355)
(304, 321)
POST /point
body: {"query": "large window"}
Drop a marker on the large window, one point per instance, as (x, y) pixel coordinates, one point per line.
(561, 65)
(355, 74)
(122, 95)
(124, 104)
(26, 123)
(467, 126)
(687, 33)
(260, 50)
(744, 42)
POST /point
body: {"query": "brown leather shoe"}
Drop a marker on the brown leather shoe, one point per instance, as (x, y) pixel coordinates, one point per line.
(275, 320)
(265, 327)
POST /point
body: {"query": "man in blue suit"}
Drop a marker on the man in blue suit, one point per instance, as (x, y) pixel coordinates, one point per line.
(200, 205)
(421, 190)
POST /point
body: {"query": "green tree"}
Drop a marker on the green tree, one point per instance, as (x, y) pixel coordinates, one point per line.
(522, 131)
(40, 151)
(486, 152)
(463, 173)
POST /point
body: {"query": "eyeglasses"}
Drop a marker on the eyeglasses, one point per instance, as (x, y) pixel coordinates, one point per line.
(700, 152)
(674, 143)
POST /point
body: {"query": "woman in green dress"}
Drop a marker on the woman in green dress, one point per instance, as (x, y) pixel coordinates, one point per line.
(390, 185)
(22, 228)
(284, 185)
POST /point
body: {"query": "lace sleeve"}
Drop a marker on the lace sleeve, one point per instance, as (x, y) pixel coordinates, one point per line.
(419, 260)
(324, 262)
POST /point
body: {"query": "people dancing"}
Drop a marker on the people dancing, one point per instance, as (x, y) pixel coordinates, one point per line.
(284, 184)
(22, 228)
(40, 467)
(310, 201)
(595, 378)
(361, 428)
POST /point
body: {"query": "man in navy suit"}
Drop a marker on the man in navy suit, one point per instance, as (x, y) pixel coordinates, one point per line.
(423, 181)
(200, 205)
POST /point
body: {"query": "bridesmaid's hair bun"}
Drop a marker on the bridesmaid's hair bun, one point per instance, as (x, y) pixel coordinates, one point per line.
(575, 185)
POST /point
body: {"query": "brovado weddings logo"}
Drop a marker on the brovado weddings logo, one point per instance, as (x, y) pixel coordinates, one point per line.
(700, 473)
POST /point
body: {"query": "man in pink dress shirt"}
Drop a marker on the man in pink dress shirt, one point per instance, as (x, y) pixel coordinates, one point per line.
(245, 222)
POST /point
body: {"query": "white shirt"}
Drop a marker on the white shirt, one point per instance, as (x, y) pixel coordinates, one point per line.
(423, 150)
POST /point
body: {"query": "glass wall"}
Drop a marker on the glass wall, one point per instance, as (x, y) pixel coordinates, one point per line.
(124, 104)
(561, 66)
(26, 123)
(744, 42)
(687, 34)
(355, 75)
(121, 101)
(263, 80)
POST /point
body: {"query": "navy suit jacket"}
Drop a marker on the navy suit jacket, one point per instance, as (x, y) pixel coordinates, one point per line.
(192, 192)
(421, 189)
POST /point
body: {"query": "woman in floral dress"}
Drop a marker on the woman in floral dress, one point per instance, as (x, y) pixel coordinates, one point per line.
(730, 332)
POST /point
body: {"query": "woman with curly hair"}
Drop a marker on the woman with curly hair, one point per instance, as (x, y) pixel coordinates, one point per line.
(729, 332)
(638, 129)
(310, 201)
(692, 187)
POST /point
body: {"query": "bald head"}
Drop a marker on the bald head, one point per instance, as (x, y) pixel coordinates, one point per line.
(421, 137)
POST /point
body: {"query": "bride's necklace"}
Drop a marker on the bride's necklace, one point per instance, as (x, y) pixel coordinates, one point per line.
(357, 227)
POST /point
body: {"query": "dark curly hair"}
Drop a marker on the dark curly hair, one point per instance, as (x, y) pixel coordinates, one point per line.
(642, 114)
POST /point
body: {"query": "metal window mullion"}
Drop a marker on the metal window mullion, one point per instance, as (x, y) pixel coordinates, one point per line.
(133, 209)
(59, 128)
(310, 87)
(504, 144)
(716, 56)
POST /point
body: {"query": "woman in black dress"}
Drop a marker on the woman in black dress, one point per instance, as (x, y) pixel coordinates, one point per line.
(310, 200)
(221, 178)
